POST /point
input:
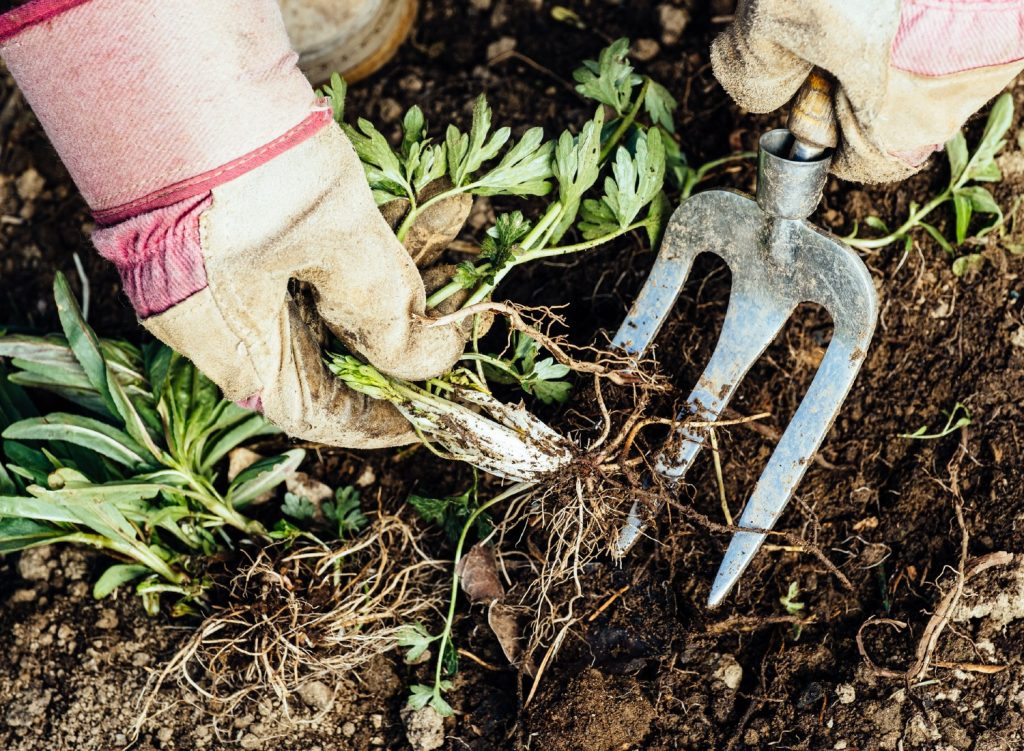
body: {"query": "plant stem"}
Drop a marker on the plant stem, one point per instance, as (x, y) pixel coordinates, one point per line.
(446, 634)
(900, 232)
(626, 123)
(140, 554)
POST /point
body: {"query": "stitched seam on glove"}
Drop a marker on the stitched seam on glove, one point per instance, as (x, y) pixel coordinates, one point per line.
(32, 13)
(207, 181)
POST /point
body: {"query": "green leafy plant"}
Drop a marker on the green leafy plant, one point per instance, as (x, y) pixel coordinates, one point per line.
(793, 606)
(414, 637)
(964, 190)
(956, 418)
(135, 471)
(603, 181)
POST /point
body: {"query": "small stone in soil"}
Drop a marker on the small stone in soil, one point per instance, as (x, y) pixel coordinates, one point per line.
(645, 50)
(107, 620)
(316, 695)
(673, 22)
(501, 47)
(424, 728)
(348, 729)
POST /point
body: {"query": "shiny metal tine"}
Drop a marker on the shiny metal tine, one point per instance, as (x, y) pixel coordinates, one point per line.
(655, 301)
(789, 461)
(739, 346)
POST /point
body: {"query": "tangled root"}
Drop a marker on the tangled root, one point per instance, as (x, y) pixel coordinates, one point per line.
(571, 521)
(294, 617)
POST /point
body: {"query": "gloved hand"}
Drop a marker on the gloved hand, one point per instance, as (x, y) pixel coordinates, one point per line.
(216, 177)
(909, 73)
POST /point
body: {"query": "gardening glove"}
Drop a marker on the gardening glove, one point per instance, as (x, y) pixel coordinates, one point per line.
(908, 73)
(216, 176)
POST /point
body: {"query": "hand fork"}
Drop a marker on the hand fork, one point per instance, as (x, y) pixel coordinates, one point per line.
(777, 261)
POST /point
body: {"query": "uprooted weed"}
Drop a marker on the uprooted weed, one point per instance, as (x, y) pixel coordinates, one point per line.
(291, 617)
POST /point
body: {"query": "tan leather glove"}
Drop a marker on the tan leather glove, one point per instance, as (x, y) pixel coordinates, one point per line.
(909, 73)
(213, 195)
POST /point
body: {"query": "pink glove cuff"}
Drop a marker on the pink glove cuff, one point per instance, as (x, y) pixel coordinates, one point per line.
(940, 37)
(149, 102)
(158, 254)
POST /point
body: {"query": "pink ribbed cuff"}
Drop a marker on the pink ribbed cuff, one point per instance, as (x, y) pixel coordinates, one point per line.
(143, 97)
(158, 254)
(940, 37)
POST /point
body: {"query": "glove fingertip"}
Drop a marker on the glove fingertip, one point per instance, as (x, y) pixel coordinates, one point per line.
(760, 78)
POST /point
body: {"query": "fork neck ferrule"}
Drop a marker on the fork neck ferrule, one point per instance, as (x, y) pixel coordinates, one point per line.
(789, 181)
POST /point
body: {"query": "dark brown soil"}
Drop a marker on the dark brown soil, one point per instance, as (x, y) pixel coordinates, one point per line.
(655, 669)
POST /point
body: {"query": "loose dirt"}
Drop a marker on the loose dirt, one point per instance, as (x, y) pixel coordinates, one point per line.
(654, 669)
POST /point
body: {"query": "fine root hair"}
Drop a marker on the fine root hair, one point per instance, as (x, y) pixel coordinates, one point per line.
(291, 617)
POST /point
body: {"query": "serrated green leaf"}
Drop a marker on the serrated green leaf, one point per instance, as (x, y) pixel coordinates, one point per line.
(525, 170)
(115, 576)
(336, 91)
(660, 104)
(549, 392)
(298, 507)
(467, 153)
(382, 166)
(419, 696)
(610, 80)
(576, 167)
(414, 638)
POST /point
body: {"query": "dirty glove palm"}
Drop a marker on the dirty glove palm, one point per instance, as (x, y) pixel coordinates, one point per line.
(909, 73)
(212, 196)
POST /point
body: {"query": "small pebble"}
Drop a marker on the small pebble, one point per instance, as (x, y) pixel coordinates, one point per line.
(411, 83)
(376, 741)
(316, 695)
(846, 693)
(390, 110)
(673, 22)
(29, 184)
(107, 620)
(377, 720)
(645, 50)
(164, 734)
(348, 729)
(501, 47)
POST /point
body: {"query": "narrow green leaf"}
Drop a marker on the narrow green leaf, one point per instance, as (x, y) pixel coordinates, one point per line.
(115, 576)
(956, 151)
(82, 339)
(962, 205)
(938, 237)
(17, 533)
(263, 476)
(1000, 117)
(81, 431)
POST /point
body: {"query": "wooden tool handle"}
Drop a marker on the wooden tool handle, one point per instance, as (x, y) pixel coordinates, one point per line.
(812, 118)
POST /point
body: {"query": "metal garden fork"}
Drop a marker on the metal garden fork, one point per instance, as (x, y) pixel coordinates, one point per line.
(777, 261)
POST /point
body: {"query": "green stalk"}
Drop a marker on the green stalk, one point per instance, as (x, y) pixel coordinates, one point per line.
(415, 211)
(212, 501)
(900, 232)
(446, 633)
(626, 123)
(142, 555)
